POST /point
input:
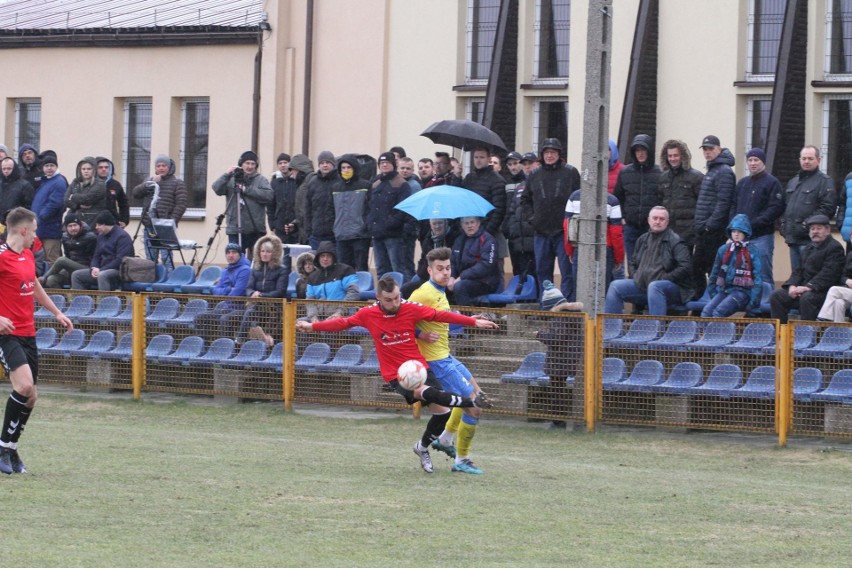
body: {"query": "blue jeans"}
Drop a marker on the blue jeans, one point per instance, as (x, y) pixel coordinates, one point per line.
(631, 235)
(658, 297)
(389, 256)
(548, 250)
(796, 255)
(314, 242)
(766, 246)
(726, 304)
(355, 253)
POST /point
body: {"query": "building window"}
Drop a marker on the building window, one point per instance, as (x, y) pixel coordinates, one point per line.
(838, 51)
(27, 123)
(550, 120)
(552, 35)
(482, 16)
(765, 21)
(137, 145)
(837, 137)
(475, 109)
(195, 127)
(757, 121)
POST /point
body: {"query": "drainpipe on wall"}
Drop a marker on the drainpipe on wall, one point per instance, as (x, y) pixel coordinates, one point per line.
(309, 57)
(255, 103)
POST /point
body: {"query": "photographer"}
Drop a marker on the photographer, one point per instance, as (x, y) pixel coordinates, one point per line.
(248, 193)
(163, 197)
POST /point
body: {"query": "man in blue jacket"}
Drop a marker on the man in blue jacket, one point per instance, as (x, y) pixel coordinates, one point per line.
(474, 263)
(49, 204)
(113, 245)
(224, 319)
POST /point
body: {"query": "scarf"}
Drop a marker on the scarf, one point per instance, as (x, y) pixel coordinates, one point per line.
(741, 266)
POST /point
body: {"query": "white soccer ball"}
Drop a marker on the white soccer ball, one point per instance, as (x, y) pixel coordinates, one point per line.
(411, 374)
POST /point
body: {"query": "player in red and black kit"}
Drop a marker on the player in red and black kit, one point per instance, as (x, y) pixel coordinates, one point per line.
(18, 352)
(390, 322)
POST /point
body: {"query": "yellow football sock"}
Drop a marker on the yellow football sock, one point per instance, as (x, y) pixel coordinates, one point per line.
(455, 418)
(465, 437)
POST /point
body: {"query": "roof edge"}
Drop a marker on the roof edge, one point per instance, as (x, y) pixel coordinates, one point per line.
(129, 37)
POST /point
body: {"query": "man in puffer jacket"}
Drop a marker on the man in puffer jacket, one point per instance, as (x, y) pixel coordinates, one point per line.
(164, 197)
(319, 203)
(636, 190)
(222, 321)
(268, 279)
(49, 204)
(736, 281)
(474, 262)
(844, 213)
(350, 215)
(86, 195)
(79, 243)
(330, 280)
(15, 191)
(387, 225)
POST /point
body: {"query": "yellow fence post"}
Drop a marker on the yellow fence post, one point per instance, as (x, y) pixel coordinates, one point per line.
(592, 342)
(138, 353)
(288, 355)
(783, 386)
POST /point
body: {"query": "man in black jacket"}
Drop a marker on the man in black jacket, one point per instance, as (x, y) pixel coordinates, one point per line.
(636, 190)
(491, 186)
(78, 242)
(821, 268)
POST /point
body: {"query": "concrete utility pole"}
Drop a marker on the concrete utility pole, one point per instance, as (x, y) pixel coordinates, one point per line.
(591, 257)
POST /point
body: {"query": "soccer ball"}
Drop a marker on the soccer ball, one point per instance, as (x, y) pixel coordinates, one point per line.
(411, 374)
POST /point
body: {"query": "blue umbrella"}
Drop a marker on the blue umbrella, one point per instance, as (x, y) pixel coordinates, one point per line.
(444, 202)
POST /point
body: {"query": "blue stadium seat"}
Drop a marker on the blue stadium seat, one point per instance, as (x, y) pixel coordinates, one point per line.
(613, 327)
(108, 308)
(370, 364)
(80, 306)
(717, 334)
(315, 354)
(275, 359)
(250, 353)
(220, 350)
(191, 311)
(678, 334)
(188, 349)
(179, 277)
(763, 310)
(530, 371)
(126, 315)
(366, 287)
(692, 305)
(205, 281)
(760, 384)
(645, 374)
(614, 370)
(291, 284)
(123, 350)
(513, 293)
(164, 311)
(834, 341)
(346, 358)
(806, 381)
(722, 381)
(804, 337)
(101, 342)
(640, 333)
(43, 314)
(685, 375)
(159, 276)
(46, 337)
(159, 346)
(71, 341)
(838, 390)
(755, 337)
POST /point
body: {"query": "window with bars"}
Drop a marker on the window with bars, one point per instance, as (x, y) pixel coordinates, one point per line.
(838, 53)
(195, 128)
(765, 21)
(550, 120)
(837, 137)
(552, 39)
(27, 123)
(137, 145)
(757, 121)
(481, 34)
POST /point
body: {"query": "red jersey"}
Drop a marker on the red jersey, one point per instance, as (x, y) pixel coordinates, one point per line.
(17, 284)
(393, 334)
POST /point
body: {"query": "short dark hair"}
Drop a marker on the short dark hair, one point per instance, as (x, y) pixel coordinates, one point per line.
(387, 283)
(426, 160)
(18, 216)
(442, 155)
(440, 253)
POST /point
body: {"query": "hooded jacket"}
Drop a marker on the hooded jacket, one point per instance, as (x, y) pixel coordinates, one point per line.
(761, 198)
(268, 278)
(319, 205)
(615, 166)
(677, 190)
(49, 204)
(336, 282)
(636, 187)
(87, 199)
(172, 197)
(716, 196)
(302, 282)
(383, 221)
(490, 186)
(350, 203)
(475, 258)
(234, 279)
(282, 211)
(516, 227)
(739, 223)
(117, 201)
(82, 247)
(15, 191)
(807, 194)
(33, 173)
(251, 203)
(545, 195)
(844, 214)
(303, 164)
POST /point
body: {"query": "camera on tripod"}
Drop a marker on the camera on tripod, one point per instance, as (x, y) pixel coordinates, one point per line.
(150, 186)
(239, 175)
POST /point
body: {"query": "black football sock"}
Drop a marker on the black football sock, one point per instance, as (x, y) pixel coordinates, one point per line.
(15, 407)
(432, 395)
(434, 428)
(25, 415)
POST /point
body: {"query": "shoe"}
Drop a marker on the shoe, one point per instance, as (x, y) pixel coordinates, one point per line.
(17, 464)
(557, 425)
(449, 450)
(425, 460)
(6, 461)
(465, 466)
(481, 401)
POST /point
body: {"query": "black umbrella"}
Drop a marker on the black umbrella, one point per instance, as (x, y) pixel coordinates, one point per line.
(464, 134)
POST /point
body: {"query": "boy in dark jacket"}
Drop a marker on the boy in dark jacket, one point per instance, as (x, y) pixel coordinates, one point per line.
(736, 281)
(79, 243)
(474, 263)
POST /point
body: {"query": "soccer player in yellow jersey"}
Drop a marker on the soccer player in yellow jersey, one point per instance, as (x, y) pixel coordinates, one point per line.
(433, 341)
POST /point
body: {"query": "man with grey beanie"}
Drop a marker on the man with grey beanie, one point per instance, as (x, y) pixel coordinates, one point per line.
(163, 196)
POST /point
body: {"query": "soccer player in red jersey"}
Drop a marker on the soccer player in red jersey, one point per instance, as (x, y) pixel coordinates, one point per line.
(391, 323)
(18, 352)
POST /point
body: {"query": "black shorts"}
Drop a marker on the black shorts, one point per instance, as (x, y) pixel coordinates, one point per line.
(431, 381)
(16, 351)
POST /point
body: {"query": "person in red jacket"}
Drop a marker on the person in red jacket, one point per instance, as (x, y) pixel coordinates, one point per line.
(614, 235)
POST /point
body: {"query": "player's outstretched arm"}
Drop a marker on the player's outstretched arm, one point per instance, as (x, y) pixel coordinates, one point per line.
(483, 322)
(304, 326)
(42, 298)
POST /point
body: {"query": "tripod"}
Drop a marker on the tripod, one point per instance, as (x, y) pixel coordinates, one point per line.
(219, 220)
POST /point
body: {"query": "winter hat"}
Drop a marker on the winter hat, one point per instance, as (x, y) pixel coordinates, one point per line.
(48, 157)
(398, 150)
(4, 149)
(551, 296)
(283, 157)
(327, 156)
(233, 246)
(757, 153)
(247, 155)
(301, 163)
(71, 218)
(162, 159)
(105, 218)
(388, 157)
